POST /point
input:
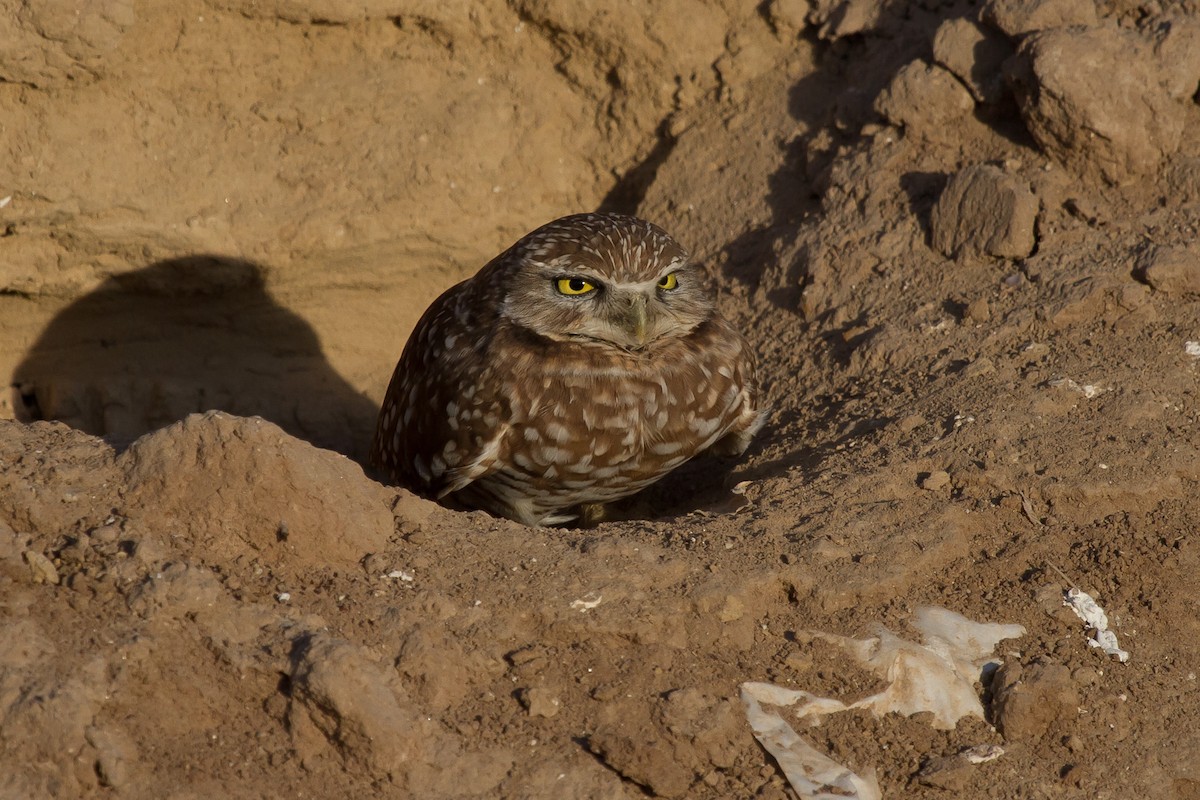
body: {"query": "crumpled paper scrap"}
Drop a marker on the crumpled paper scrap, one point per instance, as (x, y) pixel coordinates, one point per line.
(937, 676)
(1088, 610)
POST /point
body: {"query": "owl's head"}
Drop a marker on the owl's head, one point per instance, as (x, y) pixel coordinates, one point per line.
(606, 278)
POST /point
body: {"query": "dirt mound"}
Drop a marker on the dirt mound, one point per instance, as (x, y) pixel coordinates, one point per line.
(236, 488)
(960, 237)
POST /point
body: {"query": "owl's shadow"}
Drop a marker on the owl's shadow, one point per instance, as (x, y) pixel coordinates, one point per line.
(706, 483)
(146, 348)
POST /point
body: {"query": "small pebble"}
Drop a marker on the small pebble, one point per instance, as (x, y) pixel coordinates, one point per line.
(42, 568)
(540, 702)
(934, 481)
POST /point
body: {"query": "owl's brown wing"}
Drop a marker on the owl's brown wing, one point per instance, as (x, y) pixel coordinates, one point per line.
(442, 423)
(747, 412)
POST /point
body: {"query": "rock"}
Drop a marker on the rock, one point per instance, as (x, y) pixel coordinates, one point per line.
(339, 690)
(1029, 702)
(116, 755)
(923, 98)
(839, 18)
(984, 211)
(540, 702)
(42, 568)
(978, 310)
(1177, 44)
(1113, 124)
(1183, 179)
(975, 55)
(1173, 270)
(980, 366)
(948, 772)
(1019, 17)
(934, 481)
(233, 485)
(789, 17)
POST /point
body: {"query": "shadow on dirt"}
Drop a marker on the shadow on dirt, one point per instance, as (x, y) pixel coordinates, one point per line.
(185, 335)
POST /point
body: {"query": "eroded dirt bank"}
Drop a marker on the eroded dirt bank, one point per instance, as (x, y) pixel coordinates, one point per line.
(961, 236)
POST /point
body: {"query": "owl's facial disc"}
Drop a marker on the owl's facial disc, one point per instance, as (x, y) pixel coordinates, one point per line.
(626, 302)
(628, 315)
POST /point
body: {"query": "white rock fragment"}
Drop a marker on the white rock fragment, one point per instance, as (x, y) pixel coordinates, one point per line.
(400, 574)
(1192, 349)
(283, 597)
(1088, 610)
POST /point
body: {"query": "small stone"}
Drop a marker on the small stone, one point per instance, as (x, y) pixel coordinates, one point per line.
(1132, 296)
(799, 661)
(540, 702)
(1074, 774)
(115, 756)
(1178, 44)
(42, 568)
(984, 211)
(1173, 270)
(980, 366)
(1031, 701)
(845, 17)
(974, 54)
(949, 772)
(934, 481)
(910, 423)
(978, 310)
(106, 534)
(789, 16)
(1019, 17)
(924, 98)
(731, 610)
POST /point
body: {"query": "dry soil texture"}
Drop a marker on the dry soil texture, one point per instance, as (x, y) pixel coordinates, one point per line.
(962, 238)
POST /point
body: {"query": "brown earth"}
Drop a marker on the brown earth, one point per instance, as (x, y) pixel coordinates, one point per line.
(961, 236)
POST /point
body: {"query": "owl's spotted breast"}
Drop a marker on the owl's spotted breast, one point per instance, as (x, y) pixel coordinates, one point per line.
(489, 410)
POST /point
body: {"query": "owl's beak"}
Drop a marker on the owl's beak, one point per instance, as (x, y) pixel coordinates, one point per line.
(636, 318)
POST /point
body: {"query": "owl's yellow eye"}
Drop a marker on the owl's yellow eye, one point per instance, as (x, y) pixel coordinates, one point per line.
(668, 281)
(573, 287)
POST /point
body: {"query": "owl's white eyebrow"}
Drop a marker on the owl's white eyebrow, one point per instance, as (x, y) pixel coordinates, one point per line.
(555, 272)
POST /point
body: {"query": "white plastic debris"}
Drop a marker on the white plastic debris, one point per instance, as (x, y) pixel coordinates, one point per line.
(1088, 610)
(1088, 390)
(587, 602)
(937, 676)
(810, 772)
(982, 753)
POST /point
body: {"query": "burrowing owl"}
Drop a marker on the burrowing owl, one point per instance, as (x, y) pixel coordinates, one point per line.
(579, 366)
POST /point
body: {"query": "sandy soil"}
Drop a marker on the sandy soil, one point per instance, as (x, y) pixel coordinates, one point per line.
(962, 238)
